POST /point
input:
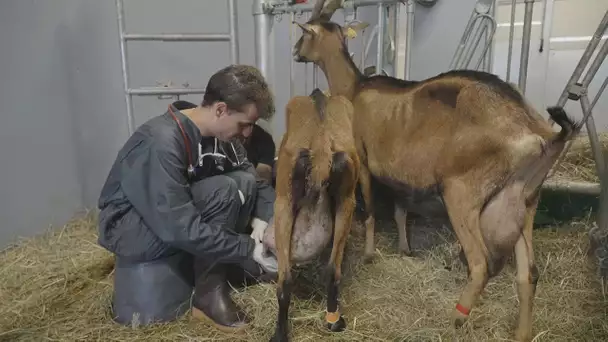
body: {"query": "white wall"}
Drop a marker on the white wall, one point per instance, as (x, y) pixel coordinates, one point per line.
(549, 71)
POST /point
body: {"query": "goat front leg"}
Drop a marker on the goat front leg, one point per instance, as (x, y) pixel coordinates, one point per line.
(404, 233)
(283, 226)
(464, 215)
(334, 319)
(366, 191)
(527, 275)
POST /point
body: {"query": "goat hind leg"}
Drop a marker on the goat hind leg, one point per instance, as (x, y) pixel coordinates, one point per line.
(283, 227)
(527, 275)
(366, 191)
(334, 319)
(465, 219)
(404, 232)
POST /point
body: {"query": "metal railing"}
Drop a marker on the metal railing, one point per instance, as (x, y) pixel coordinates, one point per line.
(231, 37)
(578, 91)
(265, 12)
(483, 16)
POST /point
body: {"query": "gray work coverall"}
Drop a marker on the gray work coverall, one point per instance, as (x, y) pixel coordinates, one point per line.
(157, 219)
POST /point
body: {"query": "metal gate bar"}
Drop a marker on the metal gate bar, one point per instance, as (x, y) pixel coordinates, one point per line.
(231, 37)
(264, 13)
(577, 91)
(487, 25)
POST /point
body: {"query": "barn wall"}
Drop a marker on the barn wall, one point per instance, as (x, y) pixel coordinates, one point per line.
(573, 23)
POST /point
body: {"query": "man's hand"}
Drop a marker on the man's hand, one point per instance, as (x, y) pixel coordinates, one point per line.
(265, 172)
(268, 262)
(259, 227)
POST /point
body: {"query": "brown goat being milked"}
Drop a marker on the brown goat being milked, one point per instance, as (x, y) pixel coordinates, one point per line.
(465, 136)
(317, 174)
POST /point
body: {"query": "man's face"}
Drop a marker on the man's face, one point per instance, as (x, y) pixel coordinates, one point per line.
(233, 124)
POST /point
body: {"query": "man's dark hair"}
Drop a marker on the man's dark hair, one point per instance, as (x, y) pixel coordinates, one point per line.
(238, 86)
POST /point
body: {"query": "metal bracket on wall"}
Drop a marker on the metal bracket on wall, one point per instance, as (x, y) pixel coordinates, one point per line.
(167, 90)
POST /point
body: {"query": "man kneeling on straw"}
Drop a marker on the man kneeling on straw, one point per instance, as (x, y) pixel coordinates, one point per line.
(176, 225)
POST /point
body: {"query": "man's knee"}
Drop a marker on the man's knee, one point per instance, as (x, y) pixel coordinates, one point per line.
(213, 189)
(246, 184)
(152, 292)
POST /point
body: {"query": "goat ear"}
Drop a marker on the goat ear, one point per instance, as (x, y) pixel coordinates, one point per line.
(353, 28)
(306, 27)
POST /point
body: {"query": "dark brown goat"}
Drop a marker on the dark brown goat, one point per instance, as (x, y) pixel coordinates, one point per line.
(465, 136)
(317, 174)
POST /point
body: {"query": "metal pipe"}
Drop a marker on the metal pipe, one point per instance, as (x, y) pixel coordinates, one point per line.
(395, 35)
(490, 39)
(409, 37)
(600, 162)
(368, 46)
(599, 92)
(525, 46)
(488, 44)
(292, 70)
(463, 39)
(582, 63)
(542, 27)
(475, 39)
(577, 187)
(595, 65)
(380, 46)
(547, 26)
(179, 37)
(123, 59)
(165, 91)
(308, 6)
(364, 49)
(308, 15)
(262, 22)
(511, 29)
(594, 141)
(234, 32)
(315, 78)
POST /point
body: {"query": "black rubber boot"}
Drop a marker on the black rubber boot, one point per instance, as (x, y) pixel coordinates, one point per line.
(212, 301)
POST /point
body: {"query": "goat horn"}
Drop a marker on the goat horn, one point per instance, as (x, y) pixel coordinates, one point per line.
(324, 10)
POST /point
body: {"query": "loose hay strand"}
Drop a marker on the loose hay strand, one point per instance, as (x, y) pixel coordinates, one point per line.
(58, 287)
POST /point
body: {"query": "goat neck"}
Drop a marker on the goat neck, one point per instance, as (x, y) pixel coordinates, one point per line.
(342, 74)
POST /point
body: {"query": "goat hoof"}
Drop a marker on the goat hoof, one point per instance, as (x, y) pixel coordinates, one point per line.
(278, 338)
(368, 258)
(458, 318)
(338, 326)
(407, 253)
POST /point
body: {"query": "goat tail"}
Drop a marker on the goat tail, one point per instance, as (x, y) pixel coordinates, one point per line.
(535, 170)
(569, 127)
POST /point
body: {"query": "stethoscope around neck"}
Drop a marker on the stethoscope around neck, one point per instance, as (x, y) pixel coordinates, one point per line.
(201, 155)
(216, 154)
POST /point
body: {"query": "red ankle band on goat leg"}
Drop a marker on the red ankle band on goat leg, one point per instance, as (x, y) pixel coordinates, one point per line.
(332, 317)
(462, 309)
